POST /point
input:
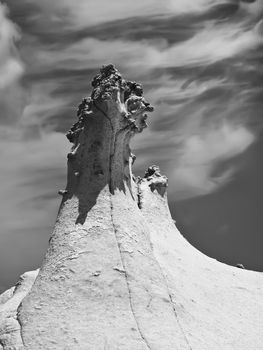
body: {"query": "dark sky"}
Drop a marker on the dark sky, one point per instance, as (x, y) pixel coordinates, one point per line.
(201, 65)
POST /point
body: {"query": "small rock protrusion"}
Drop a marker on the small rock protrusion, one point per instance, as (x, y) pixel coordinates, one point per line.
(240, 266)
(96, 273)
(133, 156)
(62, 192)
(156, 180)
(71, 156)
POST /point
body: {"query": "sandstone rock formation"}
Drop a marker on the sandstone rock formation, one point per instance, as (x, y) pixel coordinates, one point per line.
(118, 275)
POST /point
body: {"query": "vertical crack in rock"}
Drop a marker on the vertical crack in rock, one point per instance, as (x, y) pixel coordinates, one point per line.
(158, 182)
(139, 192)
(103, 113)
(173, 305)
(121, 103)
(127, 282)
(20, 324)
(111, 187)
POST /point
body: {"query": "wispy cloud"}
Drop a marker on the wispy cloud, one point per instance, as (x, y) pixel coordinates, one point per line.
(11, 69)
(32, 172)
(254, 8)
(11, 66)
(200, 155)
(214, 43)
(28, 175)
(181, 90)
(194, 6)
(85, 13)
(31, 159)
(41, 106)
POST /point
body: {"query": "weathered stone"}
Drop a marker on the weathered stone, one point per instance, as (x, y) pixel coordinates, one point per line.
(117, 274)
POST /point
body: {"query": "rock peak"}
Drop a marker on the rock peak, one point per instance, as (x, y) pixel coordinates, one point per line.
(115, 112)
(117, 273)
(116, 99)
(109, 79)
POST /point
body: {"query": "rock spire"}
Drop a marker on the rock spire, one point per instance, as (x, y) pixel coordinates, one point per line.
(117, 274)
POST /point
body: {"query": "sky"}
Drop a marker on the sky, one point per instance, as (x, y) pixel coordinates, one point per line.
(200, 62)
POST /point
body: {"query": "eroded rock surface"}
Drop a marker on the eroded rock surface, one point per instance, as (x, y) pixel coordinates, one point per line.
(117, 274)
(10, 328)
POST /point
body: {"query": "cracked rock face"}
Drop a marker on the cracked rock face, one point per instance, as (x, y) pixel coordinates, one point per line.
(117, 274)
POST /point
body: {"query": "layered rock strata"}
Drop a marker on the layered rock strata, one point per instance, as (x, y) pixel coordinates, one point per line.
(117, 274)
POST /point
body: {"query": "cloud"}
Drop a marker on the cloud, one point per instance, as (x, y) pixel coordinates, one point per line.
(91, 53)
(11, 67)
(259, 28)
(208, 46)
(194, 6)
(197, 166)
(253, 8)
(30, 158)
(212, 44)
(41, 106)
(73, 16)
(183, 89)
(32, 172)
(27, 179)
(11, 70)
(86, 13)
(197, 136)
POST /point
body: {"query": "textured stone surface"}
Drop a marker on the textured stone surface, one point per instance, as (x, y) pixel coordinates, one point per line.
(10, 330)
(217, 306)
(117, 274)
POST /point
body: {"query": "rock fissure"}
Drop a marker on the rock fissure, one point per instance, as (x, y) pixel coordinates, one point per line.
(103, 113)
(139, 193)
(178, 321)
(112, 188)
(172, 303)
(20, 324)
(127, 282)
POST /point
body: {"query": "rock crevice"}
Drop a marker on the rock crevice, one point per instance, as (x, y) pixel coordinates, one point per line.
(127, 283)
